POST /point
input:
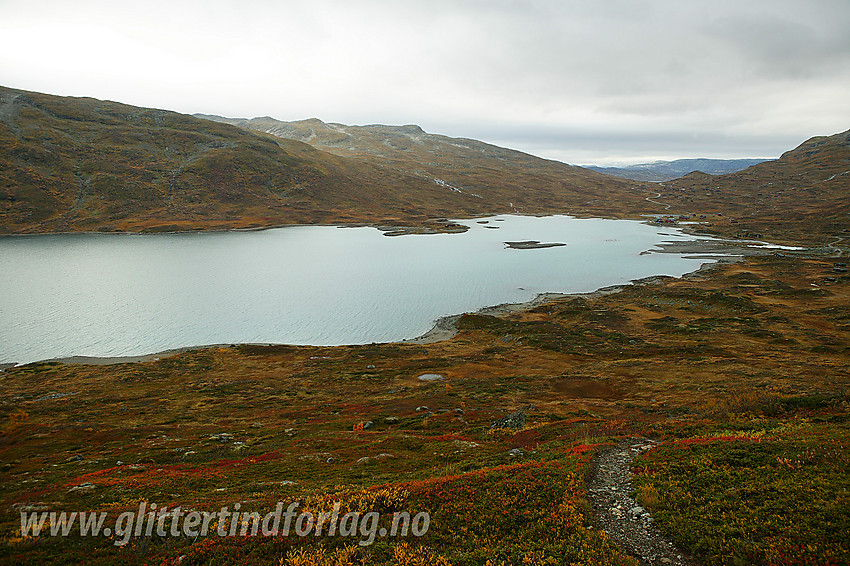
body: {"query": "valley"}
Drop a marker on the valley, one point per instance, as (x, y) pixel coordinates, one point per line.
(734, 378)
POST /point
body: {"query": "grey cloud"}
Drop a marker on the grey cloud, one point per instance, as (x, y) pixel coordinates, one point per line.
(626, 76)
(582, 146)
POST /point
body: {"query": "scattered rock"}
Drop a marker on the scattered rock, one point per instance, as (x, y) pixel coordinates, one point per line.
(515, 452)
(74, 458)
(222, 437)
(316, 457)
(83, 488)
(369, 459)
(430, 377)
(421, 408)
(51, 396)
(514, 420)
(368, 424)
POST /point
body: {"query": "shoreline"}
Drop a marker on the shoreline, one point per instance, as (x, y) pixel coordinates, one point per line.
(445, 329)
(411, 228)
(714, 252)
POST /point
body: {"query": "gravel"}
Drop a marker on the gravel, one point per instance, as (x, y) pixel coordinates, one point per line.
(627, 523)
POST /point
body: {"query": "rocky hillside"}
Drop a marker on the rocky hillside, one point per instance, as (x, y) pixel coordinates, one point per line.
(71, 164)
(84, 164)
(804, 196)
(502, 179)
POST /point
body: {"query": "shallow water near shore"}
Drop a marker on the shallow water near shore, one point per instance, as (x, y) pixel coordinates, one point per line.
(125, 295)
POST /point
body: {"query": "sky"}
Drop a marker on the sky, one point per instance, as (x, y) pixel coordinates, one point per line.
(582, 81)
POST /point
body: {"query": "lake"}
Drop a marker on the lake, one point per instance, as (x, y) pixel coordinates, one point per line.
(130, 294)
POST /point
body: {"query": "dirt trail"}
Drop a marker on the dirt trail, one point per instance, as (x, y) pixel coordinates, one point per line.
(666, 206)
(615, 512)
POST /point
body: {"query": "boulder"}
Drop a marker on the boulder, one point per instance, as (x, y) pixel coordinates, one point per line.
(514, 420)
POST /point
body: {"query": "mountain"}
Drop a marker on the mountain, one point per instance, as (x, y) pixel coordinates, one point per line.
(70, 164)
(511, 180)
(84, 164)
(794, 199)
(804, 196)
(668, 170)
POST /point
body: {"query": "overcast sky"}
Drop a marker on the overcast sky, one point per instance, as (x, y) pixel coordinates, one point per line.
(583, 81)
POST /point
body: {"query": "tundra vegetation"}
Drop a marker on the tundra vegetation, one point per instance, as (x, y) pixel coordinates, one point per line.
(741, 371)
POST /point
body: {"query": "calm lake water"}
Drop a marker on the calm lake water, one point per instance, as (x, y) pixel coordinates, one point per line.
(121, 294)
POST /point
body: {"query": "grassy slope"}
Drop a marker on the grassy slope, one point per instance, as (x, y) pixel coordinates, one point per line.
(84, 164)
(509, 179)
(763, 492)
(802, 197)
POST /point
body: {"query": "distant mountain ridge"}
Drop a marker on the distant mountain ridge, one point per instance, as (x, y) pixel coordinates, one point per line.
(659, 171)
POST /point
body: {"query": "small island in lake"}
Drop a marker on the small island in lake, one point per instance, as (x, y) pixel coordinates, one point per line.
(532, 245)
